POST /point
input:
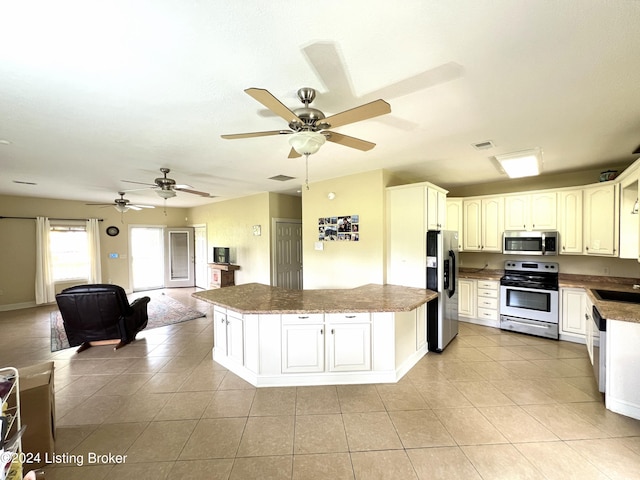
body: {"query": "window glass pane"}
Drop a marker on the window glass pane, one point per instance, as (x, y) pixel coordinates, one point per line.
(69, 253)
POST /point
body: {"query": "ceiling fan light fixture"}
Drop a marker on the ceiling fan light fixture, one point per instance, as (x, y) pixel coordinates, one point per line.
(166, 193)
(121, 208)
(306, 142)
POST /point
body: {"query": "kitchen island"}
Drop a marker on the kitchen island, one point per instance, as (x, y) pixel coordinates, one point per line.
(272, 336)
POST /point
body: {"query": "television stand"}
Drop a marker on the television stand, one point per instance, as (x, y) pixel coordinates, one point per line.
(222, 275)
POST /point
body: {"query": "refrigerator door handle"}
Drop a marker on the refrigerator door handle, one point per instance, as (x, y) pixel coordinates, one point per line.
(452, 280)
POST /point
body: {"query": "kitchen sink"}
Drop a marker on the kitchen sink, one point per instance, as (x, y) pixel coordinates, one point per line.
(617, 296)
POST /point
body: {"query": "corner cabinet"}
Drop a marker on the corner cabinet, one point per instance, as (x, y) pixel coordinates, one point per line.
(601, 220)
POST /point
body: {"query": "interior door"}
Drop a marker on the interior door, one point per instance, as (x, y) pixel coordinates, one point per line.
(202, 268)
(287, 254)
(179, 257)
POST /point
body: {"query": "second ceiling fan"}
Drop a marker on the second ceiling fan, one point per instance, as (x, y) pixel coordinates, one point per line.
(309, 127)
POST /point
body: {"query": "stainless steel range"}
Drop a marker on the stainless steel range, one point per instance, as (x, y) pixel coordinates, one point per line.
(529, 298)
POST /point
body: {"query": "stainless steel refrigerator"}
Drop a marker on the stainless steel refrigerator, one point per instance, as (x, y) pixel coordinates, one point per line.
(442, 277)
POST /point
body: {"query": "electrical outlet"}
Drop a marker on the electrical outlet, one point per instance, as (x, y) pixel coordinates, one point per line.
(606, 270)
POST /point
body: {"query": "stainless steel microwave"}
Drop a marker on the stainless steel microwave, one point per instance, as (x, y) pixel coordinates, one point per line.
(530, 243)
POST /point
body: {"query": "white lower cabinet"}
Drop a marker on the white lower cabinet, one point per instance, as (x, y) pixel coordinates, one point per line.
(345, 341)
(229, 335)
(478, 301)
(303, 348)
(270, 350)
(349, 346)
(573, 319)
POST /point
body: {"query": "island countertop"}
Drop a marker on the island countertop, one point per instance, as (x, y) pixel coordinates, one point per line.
(254, 298)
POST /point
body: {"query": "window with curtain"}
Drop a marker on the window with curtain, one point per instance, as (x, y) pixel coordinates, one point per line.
(69, 250)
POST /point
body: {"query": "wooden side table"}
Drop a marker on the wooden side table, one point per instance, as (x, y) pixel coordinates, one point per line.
(222, 275)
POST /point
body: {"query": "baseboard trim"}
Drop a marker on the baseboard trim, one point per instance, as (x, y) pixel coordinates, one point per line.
(17, 306)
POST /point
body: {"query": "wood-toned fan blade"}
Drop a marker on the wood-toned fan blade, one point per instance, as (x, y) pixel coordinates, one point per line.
(195, 192)
(255, 134)
(363, 112)
(348, 141)
(294, 154)
(272, 103)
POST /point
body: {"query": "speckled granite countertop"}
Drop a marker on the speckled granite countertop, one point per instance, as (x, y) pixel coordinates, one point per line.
(623, 311)
(259, 298)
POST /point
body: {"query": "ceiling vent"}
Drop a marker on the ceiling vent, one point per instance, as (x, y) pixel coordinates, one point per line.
(486, 145)
(281, 178)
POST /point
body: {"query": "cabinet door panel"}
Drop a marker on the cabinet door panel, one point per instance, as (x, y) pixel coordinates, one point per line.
(573, 307)
(220, 332)
(570, 221)
(349, 347)
(471, 225)
(235, 339)
(302, 348)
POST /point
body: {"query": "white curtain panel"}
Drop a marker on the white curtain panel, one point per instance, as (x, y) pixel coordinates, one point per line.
(45, 292)
(93, 237)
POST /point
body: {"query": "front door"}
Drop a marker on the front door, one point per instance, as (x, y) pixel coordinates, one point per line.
(179, 257)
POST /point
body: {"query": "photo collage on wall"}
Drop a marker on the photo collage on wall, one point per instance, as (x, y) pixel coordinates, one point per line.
(342, 229)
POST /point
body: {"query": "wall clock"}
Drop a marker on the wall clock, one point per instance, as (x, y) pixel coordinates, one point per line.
(113, 231)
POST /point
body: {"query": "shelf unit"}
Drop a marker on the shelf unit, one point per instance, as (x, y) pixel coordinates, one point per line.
(11, 426)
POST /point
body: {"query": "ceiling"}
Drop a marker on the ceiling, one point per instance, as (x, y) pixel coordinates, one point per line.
(93, 93)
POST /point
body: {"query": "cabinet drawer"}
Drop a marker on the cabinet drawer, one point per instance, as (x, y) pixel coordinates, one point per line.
(486, 302)
(483, 292)
(297, 318)
(488, 284)
(487, 313)
(348, 317)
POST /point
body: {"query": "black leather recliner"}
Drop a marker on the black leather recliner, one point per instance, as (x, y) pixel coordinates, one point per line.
(99, 314)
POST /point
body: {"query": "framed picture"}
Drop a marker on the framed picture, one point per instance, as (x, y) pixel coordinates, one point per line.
(343, 228)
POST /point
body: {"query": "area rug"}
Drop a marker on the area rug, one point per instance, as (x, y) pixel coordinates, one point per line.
(162, 311)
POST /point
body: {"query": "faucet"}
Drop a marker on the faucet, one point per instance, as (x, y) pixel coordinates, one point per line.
(636, 286)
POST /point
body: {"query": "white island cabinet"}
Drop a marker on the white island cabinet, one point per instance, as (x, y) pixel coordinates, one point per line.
(623, 364)
(266, 344)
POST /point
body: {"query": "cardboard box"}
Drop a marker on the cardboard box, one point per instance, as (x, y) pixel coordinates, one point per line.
(37, 412)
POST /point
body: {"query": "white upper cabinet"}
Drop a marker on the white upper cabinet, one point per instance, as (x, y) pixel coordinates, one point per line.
(535, 211)
(601, 219)
(435, 208)
(483, 224)
(570, 221)
(454, 219)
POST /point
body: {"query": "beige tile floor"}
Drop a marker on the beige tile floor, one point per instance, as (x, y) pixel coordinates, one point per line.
(494, 405)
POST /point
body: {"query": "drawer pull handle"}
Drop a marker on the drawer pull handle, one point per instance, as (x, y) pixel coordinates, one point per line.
(303, 316)
(321, 331)
(350, 316)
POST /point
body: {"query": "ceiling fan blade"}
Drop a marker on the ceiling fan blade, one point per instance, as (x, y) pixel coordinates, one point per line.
(195, 192)
(139, 183)
(363, 112)
(100, 204)
(138, 207)
(134, 207)
(294, 154)
(272, 103)
(348, 141)
(328, 64)
(256, 134)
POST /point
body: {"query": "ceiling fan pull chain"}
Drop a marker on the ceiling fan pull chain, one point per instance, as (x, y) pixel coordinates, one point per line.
(306, 165)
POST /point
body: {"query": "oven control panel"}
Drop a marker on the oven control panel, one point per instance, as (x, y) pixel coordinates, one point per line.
(526, 266)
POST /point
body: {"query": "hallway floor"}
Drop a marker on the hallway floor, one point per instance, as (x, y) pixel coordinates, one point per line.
(494, 405)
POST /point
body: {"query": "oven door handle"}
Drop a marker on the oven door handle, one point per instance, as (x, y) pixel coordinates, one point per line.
(534, 325)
